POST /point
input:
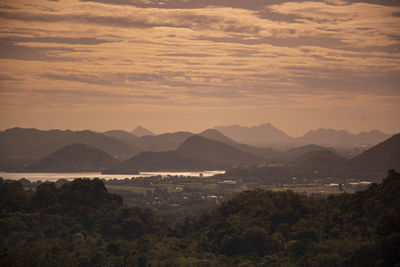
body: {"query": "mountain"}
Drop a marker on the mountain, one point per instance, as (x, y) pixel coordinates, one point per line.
(140, 131)
(162, 142)
(161, 161)
(124, 136)
(376, 161)
(330, 137)
(205, 149)
(74, 158)
(297, 151)
(216, 135)
(266, 153)
(17, 143)
(261, 135)
(322, 161)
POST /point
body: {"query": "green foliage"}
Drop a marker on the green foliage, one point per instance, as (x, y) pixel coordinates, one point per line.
(81, 224)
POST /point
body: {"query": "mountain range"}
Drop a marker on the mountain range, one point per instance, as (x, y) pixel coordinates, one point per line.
(210, 149)
(267, 135)
(19, 143)
(260, 135)
(329, 137)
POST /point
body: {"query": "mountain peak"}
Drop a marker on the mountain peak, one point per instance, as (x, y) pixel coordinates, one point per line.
(140, 131)
(263, 134)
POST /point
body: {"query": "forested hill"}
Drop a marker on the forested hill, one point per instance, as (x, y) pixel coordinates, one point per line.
(78, 224)
(287, 229)
(81, 224)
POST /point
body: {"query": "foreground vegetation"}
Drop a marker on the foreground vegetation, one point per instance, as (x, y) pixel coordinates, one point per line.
(81, 224)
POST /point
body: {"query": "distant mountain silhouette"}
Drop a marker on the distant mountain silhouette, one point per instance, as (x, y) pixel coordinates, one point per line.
(17, 143)
(124, 136)
(213, 151)
(140, 131)
(297, 151)
(376, 161)
(261, 135)
(162, 142)
(267, 135)
(323, 161)
(74, 158)
(330, 137)
(216, 135)
(266, 153)
(161, 161)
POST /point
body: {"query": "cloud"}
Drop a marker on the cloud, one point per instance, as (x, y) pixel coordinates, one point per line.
(230, 54)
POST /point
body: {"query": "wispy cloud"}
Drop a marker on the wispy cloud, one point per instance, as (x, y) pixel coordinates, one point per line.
(199, 53)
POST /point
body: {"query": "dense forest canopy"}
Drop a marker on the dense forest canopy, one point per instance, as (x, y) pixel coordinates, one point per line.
(80, 223)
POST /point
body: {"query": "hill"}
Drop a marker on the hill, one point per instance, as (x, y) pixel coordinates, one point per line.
(81, 224)
(297, 151)
(261, 135)
(77, 224)
(162, 142)
(19, 143)
(264, 228)
(322, 161)
(140, 131)
(205, 149)
(375, 161)
(74, 158)
(161, 161)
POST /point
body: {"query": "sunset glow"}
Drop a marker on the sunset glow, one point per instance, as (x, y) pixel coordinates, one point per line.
(189, 65)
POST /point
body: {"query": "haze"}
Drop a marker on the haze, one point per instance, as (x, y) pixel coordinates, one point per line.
(189, 65)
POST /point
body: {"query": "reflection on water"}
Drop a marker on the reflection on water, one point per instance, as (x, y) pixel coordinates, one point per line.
(70, 176)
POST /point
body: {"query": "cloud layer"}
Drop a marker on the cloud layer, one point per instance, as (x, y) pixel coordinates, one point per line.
(188, 56)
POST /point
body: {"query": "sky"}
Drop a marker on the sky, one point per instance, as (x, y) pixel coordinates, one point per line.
(172, 65)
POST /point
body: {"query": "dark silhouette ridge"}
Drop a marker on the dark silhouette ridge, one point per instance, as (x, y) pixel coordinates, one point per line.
(19, 143)
(323, 161)
(74, 158)
(124, 136)
(162, 142)
(297, 151)
(213, 151)
(375, 161)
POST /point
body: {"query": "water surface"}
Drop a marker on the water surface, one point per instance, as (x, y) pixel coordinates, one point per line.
(70, 176)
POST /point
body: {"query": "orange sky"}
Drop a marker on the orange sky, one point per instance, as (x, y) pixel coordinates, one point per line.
(189, 65)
